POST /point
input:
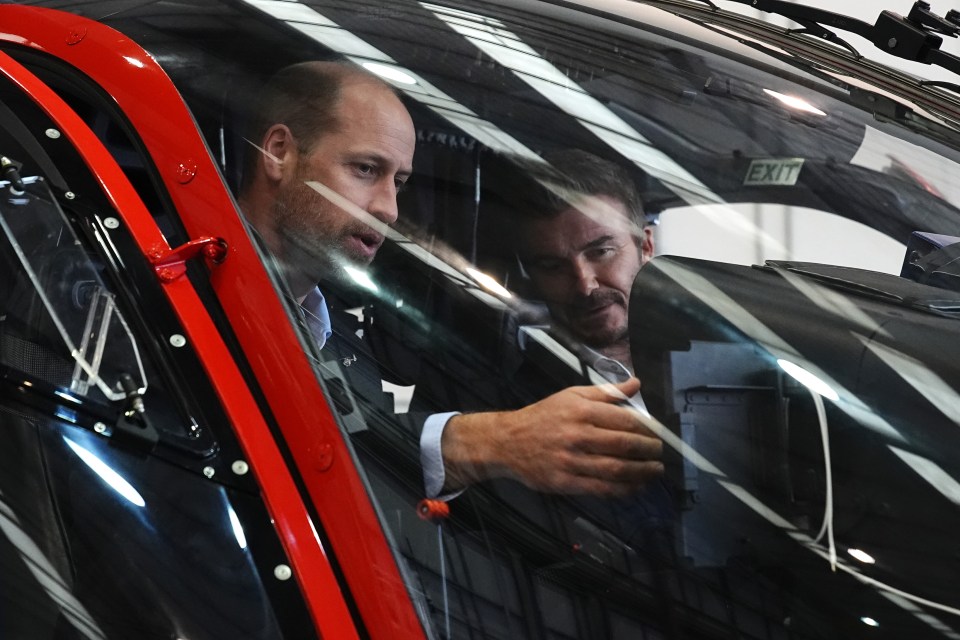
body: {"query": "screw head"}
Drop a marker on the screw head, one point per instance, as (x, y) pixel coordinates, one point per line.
(178, 340)
(324, 457)
(52, 133)
(69, 195)
(100, 427)
(209, 471)
(186, 171)
(111, 223)
(76, 35)
(891, 43)
(282, 572)
(240, 467)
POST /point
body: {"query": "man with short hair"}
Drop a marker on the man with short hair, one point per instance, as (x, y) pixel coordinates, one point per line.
(336, 144)
(581, 245)
(584, 247)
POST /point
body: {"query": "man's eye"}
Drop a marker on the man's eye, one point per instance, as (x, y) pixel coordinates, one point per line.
(366, 169)
(401, 185)
(600, 253)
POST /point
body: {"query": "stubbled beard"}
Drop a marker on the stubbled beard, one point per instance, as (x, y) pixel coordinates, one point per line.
(306, 246)
(597, 339)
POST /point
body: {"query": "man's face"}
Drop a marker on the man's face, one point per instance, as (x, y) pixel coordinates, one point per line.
(332, 208)
(583, 267)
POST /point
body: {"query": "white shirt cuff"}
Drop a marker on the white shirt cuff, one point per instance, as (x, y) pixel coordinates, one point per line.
(431, 455)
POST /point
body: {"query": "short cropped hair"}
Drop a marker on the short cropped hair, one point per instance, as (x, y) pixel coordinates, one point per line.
(574, 173)
(304, 97)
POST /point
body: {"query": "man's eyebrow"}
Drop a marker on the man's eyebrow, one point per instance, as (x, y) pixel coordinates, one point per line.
(602, 240)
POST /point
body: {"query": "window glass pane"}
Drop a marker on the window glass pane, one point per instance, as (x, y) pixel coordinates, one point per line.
(59, 287)
(791, 317)
(488, 295)
(111, 524)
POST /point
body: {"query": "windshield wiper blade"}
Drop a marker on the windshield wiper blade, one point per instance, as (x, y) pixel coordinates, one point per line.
(915, 37)
(815, 21)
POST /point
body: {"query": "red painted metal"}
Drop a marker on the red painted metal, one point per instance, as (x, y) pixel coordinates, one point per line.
(283, 500)
(434, 510)
(171, 264)
(154, 107)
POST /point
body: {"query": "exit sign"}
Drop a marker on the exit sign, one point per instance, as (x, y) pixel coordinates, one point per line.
(773, 172)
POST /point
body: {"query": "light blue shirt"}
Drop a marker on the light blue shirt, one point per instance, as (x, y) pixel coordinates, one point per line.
(317, 317)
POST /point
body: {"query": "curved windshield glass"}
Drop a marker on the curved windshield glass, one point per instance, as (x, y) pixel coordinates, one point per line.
(86, 323)
(637, 328)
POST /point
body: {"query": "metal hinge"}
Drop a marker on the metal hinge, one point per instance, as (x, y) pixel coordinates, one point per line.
(172, 263)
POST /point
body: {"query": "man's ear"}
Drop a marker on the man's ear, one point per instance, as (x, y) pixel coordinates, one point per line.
(279, 152)
(646, 245)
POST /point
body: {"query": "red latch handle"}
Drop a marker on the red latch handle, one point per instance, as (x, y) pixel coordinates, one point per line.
(172, 264)
(433, 510)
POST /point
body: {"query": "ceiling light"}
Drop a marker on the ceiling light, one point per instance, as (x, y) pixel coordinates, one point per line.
(862, 556)
(795, 103)
(808, 380)
(489, 283)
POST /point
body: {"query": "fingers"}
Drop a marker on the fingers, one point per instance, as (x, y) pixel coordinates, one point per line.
(604, 462)
(609, 392)
(621, 444)
(605, 477)
(617, 470)
(617, 418)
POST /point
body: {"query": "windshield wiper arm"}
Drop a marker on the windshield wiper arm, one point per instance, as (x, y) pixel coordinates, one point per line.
(914, 37)
(815, 21)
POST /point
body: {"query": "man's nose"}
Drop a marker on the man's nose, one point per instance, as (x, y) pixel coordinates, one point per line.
(383, 205)
(585, 277)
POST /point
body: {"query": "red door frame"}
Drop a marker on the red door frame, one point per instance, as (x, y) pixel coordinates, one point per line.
(157, 112)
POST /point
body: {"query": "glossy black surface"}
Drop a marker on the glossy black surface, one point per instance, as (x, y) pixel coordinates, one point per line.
(750, 534)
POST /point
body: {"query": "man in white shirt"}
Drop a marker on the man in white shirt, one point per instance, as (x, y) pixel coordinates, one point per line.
(581, 248)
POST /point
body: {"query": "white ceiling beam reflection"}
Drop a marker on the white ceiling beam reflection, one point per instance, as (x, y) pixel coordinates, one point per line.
(113, 479)
(862, 556)
(919, 376)
(328, 33)
(237, 528)
(933, 473)
(903, 603)
(445, 266)
(751, 326)
(832, 301)
(492, 37)
(47, 575)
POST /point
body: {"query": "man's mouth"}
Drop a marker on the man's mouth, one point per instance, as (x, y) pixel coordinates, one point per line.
(371, 240)
(597, 303)
(597, 308)
(366, 243)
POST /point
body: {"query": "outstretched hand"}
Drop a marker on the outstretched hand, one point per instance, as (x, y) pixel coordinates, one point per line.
(577, 441)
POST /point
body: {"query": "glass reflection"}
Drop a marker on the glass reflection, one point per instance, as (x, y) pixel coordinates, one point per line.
(107, 474)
